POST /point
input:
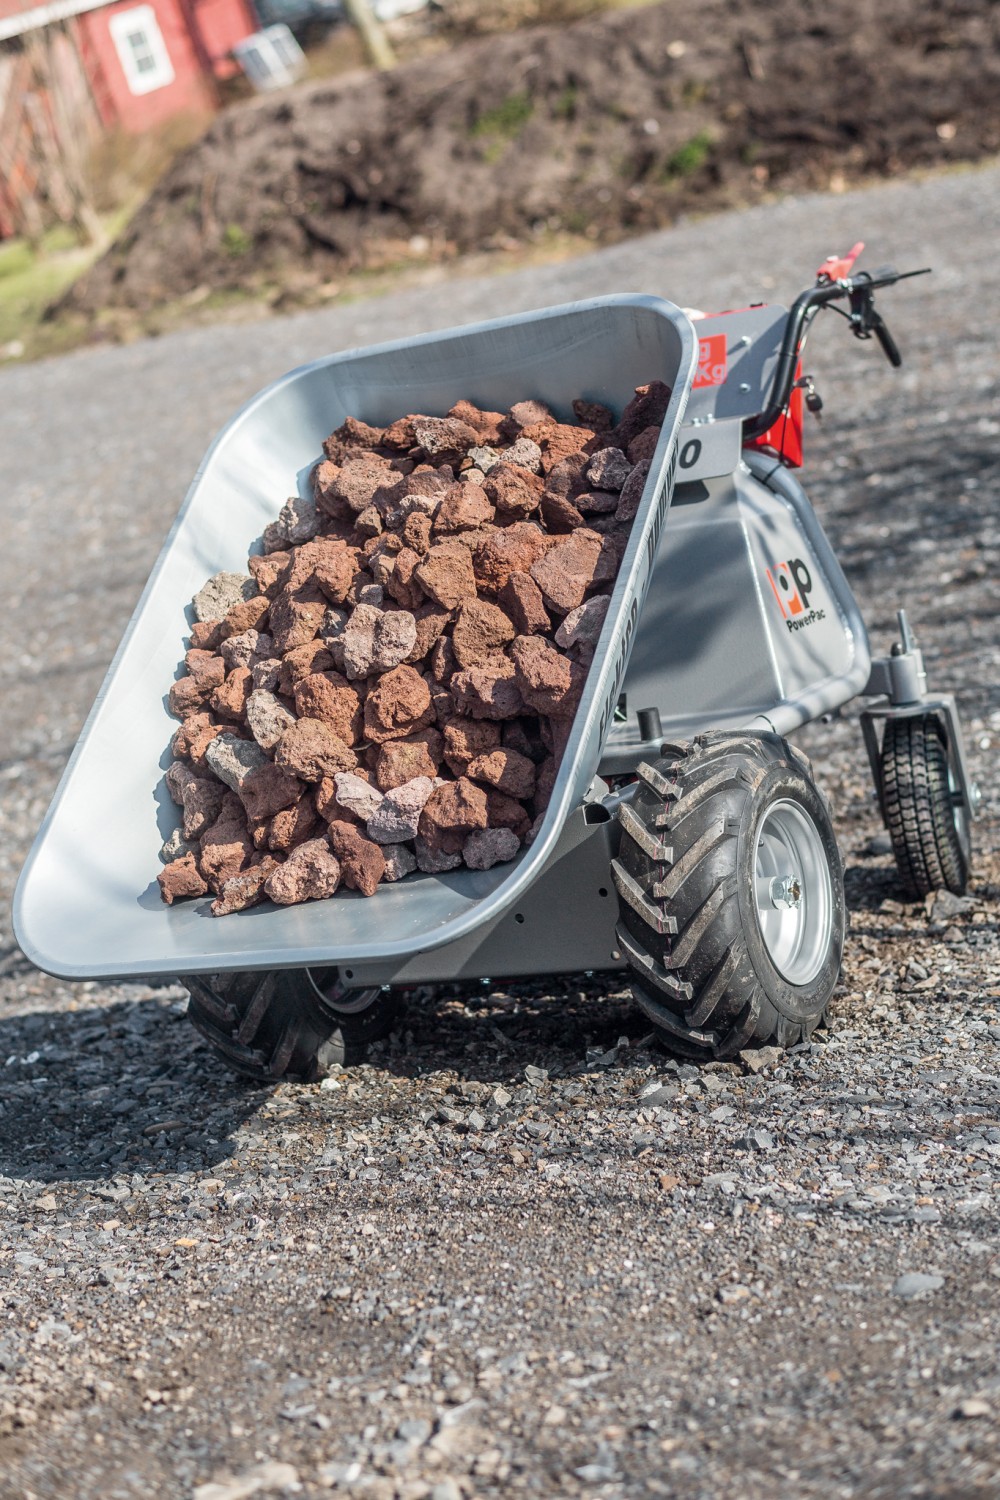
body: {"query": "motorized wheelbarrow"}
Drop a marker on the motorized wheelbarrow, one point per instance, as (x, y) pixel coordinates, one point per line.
(685, 841)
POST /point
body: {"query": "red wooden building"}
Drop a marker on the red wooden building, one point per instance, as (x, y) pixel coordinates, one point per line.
(72, 68)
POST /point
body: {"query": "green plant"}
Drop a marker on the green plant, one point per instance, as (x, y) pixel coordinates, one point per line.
(236, 241)
(564, 107)
(690, 157)
(507, 120)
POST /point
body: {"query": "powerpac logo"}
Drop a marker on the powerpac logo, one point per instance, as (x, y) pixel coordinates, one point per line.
(791, 583)
(712, 362)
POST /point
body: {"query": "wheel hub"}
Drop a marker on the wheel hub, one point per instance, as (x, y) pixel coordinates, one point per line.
(785, 892)
(794, 892)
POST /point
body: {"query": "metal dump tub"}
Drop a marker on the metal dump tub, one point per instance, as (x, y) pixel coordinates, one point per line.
(87, 904)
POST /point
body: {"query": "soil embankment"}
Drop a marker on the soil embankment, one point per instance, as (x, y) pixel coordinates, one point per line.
(598, 129)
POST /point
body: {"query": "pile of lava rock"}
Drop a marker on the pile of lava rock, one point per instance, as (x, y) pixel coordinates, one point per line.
(391, 686)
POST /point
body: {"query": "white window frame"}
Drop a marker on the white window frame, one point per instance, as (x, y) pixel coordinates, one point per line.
(125, 24)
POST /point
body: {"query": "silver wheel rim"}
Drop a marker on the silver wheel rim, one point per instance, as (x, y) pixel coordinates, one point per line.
(349, 1002)
(794, 892)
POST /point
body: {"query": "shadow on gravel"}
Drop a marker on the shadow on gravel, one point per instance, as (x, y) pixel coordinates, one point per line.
(110, 1090)
(866, 887)
(566, 1024)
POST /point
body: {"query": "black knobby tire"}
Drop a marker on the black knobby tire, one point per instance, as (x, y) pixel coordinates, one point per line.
(924, 816)
(687, 874)
(288, 1024)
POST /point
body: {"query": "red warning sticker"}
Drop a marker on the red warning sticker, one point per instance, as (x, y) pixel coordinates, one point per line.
(712, 367)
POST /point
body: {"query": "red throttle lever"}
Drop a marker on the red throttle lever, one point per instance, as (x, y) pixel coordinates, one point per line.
(836, 267)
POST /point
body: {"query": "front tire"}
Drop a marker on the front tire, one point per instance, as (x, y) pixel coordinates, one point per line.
(731, 895)
(290, 1023)
(923, 810)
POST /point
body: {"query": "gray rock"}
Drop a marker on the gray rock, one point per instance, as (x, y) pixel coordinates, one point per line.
(267, 718)
(525, 453)
(434, 861)
(583, 625)
(609, 469)
(220, 593)
(175, 846)
(758, 1058)
(399, 861)
(233, 759)
(486, 458)
(490, 846)
(357, 795)
(916, 1284)
(756, 1140)
(396, 819)
(265, 673)
(298, 520)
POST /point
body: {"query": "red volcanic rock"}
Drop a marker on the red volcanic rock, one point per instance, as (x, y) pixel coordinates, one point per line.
(362, 863)
(350, 436)
(647, 408)
(251, 614)
(226, 848)
(399, 761)
(398, 706)
(480, 630)
(559, 440)
(292, 826)
(559, 514)
(268, 790)
(486, 425)
(399, 630)
(488, 691)
(514, 549)
(506, 812)
(514, 491)
(180, 880)
(331, 698)
(445, 574)
(296, 617)
(268, 572)
(592, 414)
(314, 656)
(230, 700)
(465, 739)
(310, 873)
(194, 737)
(451, 813)
(431, 620)
(244, 890)
(311, 750)
(547, 681)
(566, 571)
(506, 770)
(206, 634)
(465, 507)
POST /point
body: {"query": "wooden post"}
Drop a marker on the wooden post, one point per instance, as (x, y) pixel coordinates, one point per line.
(374, 38)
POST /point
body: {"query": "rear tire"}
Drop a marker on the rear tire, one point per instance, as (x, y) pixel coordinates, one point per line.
(731, 895)
(290, 1023)
(927, 825)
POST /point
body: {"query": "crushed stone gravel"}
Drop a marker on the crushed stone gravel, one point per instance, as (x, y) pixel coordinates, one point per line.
(521, 1250)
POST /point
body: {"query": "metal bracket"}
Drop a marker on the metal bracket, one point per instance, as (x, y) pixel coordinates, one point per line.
(901, 679)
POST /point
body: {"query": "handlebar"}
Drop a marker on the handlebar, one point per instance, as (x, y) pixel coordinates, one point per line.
(859, 289)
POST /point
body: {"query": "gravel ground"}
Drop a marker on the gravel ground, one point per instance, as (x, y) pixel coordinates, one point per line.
(522, 1250)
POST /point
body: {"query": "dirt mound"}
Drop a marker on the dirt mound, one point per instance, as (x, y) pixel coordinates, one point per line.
(601, 128)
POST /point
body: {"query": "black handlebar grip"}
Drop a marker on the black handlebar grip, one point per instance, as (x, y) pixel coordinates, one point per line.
(889, 346)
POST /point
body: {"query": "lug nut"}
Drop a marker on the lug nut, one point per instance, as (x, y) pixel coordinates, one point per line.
(785, 891)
